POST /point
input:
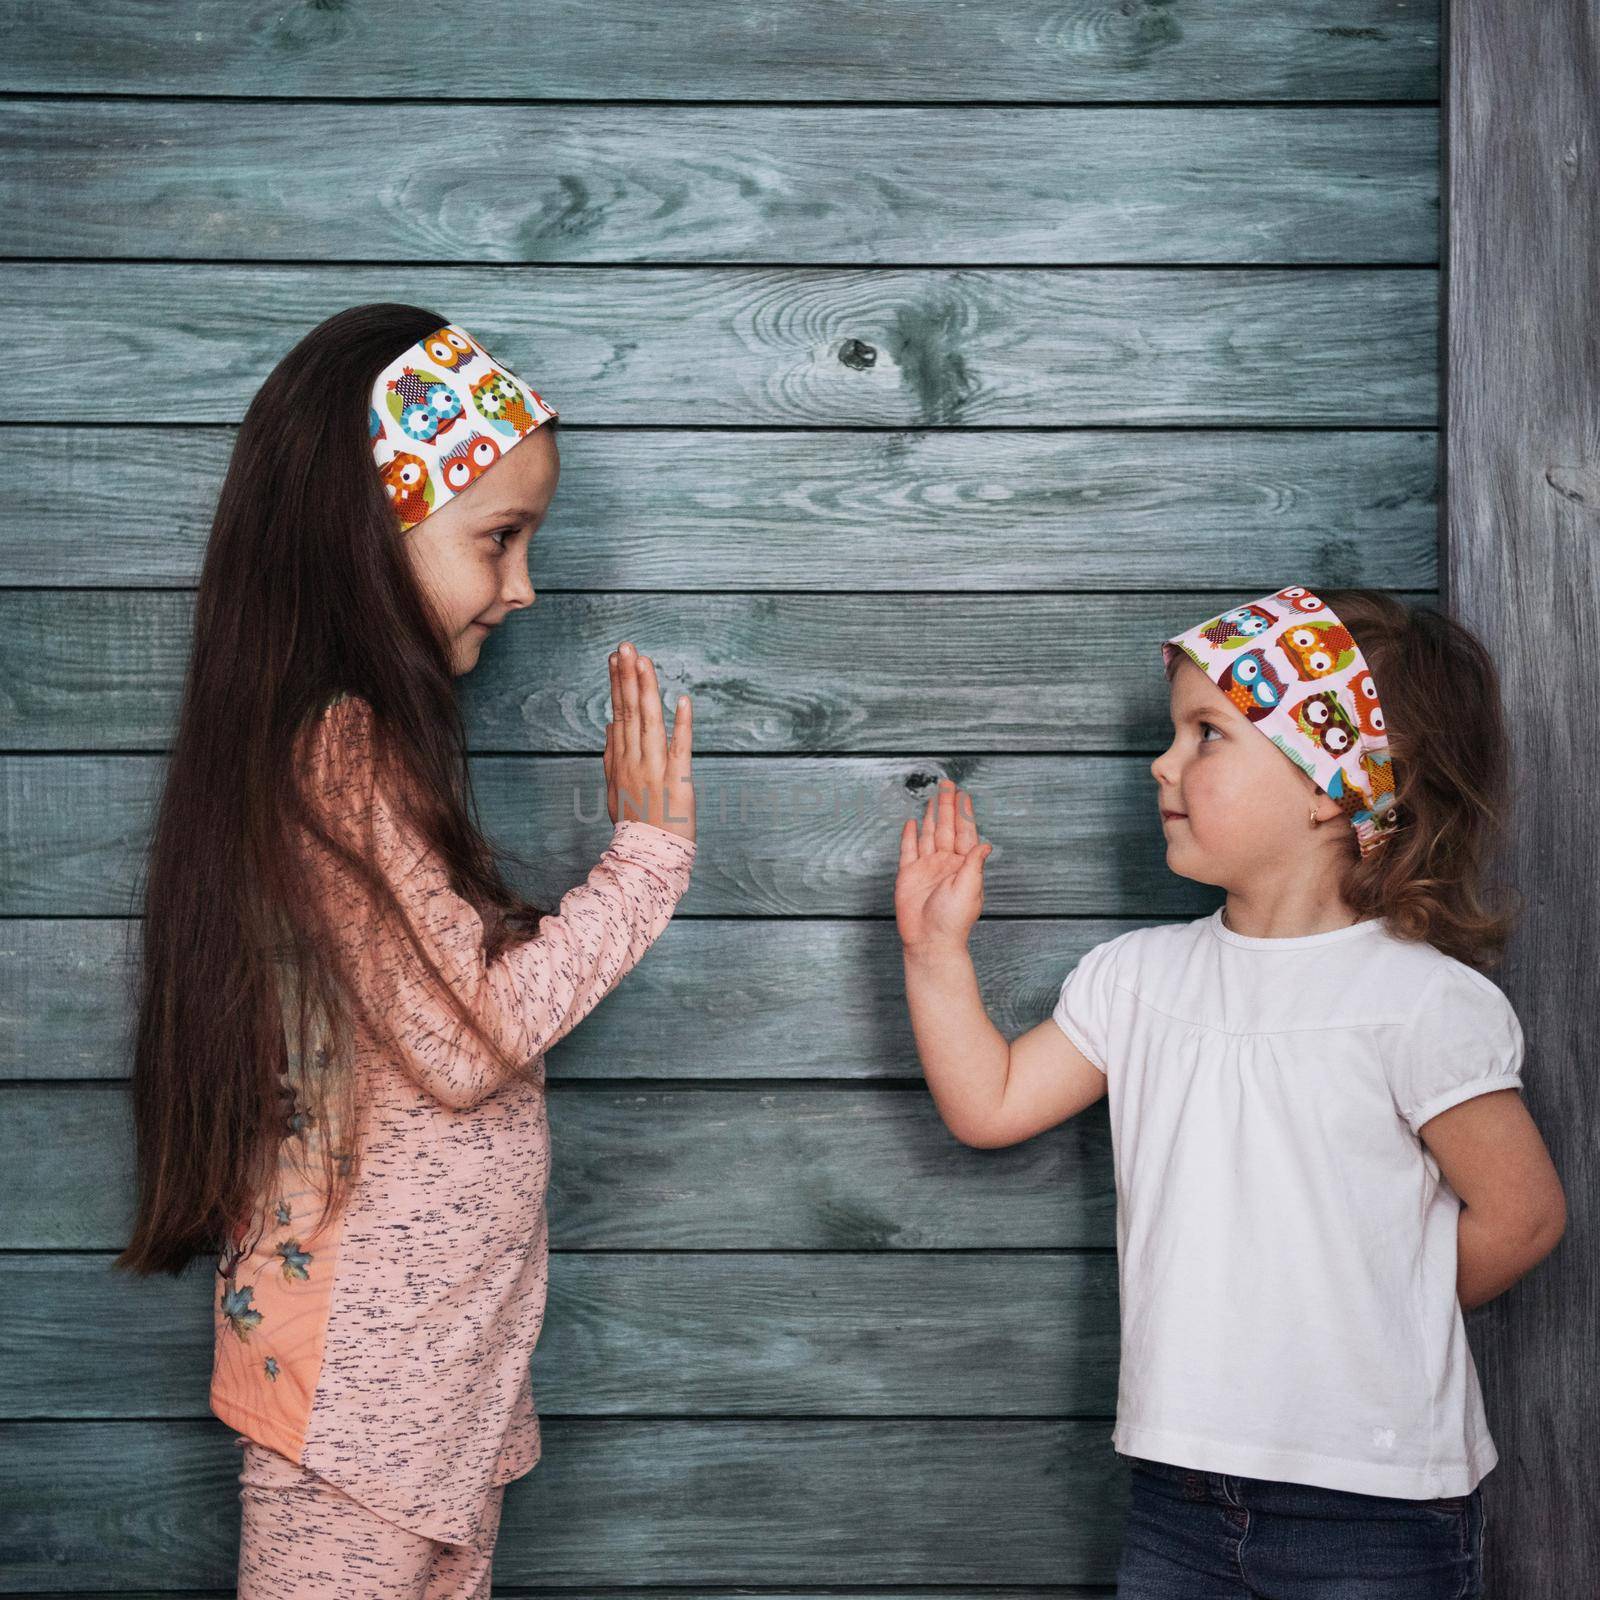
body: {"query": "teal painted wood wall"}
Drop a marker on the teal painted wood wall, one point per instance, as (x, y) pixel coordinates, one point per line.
(921, 365)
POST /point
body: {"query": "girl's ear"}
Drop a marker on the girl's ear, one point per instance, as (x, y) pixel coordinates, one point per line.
(1323, 807)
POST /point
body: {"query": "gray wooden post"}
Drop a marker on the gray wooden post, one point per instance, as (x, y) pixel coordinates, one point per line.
(1521, 527)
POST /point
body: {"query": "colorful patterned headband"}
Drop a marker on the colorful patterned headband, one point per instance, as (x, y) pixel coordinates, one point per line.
(442, 413)
(1289, 664)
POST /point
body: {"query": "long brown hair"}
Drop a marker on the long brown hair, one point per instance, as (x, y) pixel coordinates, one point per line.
(1445, 723)
(305, 595)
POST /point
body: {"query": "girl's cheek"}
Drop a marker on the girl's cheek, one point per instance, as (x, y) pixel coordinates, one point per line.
(1214, 810)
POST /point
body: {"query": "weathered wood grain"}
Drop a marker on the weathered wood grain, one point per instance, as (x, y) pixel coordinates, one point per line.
(800, 1340)
(768, 50)
(622, 1502)
(820, 674)
(1522, 523)
(778, 836)
(65, 997)
(782, 346)
(956, 509)
(1068, 1591)
(775, 1167)
(147, 179)
(724, 1333)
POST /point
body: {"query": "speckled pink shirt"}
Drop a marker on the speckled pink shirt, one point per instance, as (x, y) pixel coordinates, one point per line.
(390, 1353)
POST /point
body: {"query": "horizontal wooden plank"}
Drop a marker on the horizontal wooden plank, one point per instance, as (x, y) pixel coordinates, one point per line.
(1068, 1591)
(781, 1167)
(960, 510)
(620, 1502)
(104, 669)
(870, 347)
(65, 983)
(778, 835)
(888, 1333)
(758, 50)
(151, 179)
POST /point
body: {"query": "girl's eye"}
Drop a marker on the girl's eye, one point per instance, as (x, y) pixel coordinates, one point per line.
(1209, 727)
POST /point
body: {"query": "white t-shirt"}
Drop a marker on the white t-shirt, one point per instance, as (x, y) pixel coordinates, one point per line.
(1286, 1244)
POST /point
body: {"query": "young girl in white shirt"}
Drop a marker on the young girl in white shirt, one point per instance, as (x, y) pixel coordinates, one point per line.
(1319, 1152)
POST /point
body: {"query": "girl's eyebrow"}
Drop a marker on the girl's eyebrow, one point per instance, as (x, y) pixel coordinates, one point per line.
(1212, 714)
(511, 516)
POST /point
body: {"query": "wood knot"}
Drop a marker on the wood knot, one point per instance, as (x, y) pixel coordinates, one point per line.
(1580, 485)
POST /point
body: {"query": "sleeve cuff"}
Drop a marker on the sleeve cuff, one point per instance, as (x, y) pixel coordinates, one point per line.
(1084, 1047)
(657, 847)
(1460, 1093)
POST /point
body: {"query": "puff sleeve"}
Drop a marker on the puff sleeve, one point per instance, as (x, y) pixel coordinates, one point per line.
(1463, 1039)
(1083, 1007)
(534, 993)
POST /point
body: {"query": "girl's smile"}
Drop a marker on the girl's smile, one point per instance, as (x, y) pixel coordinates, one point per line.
(472, 553)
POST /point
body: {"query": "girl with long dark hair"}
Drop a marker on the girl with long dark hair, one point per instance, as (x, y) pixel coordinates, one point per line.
(338, 1078)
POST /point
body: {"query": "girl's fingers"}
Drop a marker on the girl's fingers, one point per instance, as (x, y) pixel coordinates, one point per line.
(619, 689)
(682, 735)
(680, 786)
(948, 823)
(970, 875)
(652, 727)
(945, 831)
(616, 686)
(628, 667)
(966, 824)
(908, 842)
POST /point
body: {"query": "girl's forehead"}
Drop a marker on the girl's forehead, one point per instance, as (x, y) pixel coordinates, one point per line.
(519, 484)
(1191, 688)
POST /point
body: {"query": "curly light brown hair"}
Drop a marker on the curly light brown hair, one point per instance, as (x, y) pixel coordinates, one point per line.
(1440, 694)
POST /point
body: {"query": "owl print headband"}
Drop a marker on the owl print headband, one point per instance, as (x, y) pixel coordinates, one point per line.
(1289, 664)
(441, 414)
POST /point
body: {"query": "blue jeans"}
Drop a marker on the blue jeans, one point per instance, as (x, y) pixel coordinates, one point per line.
(1197, 1535)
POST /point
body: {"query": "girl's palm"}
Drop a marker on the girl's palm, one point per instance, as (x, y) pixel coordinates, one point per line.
(647, 779)
(938, 891)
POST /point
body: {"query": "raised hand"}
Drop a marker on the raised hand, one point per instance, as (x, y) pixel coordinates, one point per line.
(938, 891)
(648, 779)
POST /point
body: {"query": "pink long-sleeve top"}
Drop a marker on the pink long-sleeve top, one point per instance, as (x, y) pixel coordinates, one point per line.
(390, 1352)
